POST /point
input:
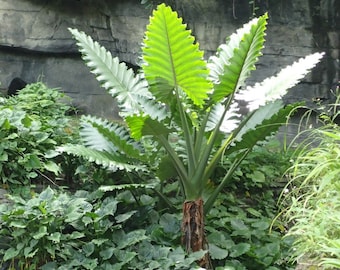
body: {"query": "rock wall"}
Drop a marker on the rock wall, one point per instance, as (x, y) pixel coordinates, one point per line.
(35, 43)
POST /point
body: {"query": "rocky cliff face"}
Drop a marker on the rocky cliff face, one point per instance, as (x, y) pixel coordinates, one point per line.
(35, 42)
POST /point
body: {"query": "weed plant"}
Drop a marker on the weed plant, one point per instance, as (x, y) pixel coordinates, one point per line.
(313, 203)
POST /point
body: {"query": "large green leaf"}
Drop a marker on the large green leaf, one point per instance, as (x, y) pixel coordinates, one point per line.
(236, 59)
(111, 161)
(171, 58)
(116, 77)
(145, 126)
(275, 87)
(110, 137)
(264, 122)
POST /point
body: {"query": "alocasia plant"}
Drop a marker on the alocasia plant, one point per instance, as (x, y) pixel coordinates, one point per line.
(187, 108)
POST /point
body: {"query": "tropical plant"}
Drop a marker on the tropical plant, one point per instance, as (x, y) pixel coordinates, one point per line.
(180, 115)
(312, 206)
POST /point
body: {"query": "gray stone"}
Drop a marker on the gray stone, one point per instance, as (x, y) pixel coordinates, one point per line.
(35, 42)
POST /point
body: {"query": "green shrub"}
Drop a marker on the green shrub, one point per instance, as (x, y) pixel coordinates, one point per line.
(32, 124)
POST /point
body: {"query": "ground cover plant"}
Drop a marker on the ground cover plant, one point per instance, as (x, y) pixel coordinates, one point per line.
(180, 115)
(238, 227)
(85, 230)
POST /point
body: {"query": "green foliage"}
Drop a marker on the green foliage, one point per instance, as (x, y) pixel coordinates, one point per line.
(313, 202)
(238, 227)
(107, 222)
(88, 231)
(32, 124)
(180, 113)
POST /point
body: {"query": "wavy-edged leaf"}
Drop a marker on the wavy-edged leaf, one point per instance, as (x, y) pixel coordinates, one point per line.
(217, 253)
(103, 135)
(276, 86)
(236, 59)
(109, 188)
(265, 121)
(231, 119)
(239, 249)
(264, 112)
(111, 161)
(172, 59)
(154, 109)
(116, 77)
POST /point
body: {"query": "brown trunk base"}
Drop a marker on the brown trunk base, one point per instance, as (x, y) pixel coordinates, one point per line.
(193, 236)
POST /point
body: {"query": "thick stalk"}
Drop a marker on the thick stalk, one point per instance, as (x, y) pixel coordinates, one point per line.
(193, 235)
(204, 160)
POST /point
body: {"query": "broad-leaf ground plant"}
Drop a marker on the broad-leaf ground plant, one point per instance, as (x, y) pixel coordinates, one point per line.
(180, 114)
(86, 230)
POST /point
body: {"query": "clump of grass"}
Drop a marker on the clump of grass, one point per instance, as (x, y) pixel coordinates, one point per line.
(313, 200)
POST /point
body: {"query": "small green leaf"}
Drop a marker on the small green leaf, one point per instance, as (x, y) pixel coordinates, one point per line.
(54, 237)
(88, 249)
(19, 232)
(169, 223)
(28, 253)
(254, 212)
(166, 169)
(261, 224)
(18, 224)
(41, 233)
(42, 207)
(52, 167)
(76, 235)
(51, 248)
(217, 252)
(33, 162)
(123, 217)
(177, 255)
(124, 256)
(49, 266)
(132, 238)
(238, 224)
(41, 137)
(107, 253)
(10, 254)
(99, 242)
(108, 208)
(197, 255)
(47, 194)
(3, 157)
(239, 249)
(257, 177)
